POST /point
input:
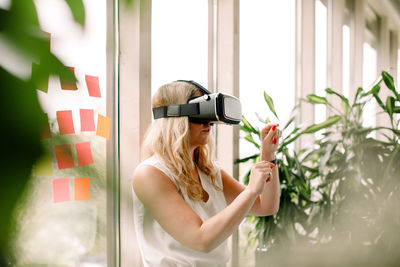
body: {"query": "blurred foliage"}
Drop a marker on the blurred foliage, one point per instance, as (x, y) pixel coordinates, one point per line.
(341, 195)
(22, 115)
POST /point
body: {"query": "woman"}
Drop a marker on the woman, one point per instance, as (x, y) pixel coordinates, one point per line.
(185, 206)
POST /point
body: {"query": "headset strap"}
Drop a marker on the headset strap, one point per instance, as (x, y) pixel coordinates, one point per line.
(199, 86)
(176, 110)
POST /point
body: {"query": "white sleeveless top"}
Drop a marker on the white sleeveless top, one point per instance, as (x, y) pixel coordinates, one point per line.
(158, 248)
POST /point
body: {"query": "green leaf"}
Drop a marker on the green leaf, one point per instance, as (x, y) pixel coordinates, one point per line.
(317, 99)
(248, 127)
(396, 110)
(380, 103)
(359, 91)
(316, 127)
(388, 79)
(288, 123)
(390, 105)
(375, 89)
(270, 104)
(251, 140)
(78, 10)
(247, 158)
(343, 98)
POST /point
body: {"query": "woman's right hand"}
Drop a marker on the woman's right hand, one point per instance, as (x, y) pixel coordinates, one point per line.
(260, 174)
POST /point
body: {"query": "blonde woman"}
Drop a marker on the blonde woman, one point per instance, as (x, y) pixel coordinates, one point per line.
(185, 206)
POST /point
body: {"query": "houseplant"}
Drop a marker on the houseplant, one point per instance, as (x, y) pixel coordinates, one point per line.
(344, 190)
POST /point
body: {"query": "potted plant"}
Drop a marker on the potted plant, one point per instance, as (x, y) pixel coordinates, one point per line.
(341, 190)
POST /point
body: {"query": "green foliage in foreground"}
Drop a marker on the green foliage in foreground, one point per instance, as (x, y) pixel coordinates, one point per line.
(342, 192)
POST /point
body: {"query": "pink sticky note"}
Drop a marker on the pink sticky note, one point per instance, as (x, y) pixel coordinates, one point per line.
(64, 156)
(103, 126)
(84, 153)
(87, 120)
(65, 122)
(93, 86)
(68, 84)
(61, 190)
(82, 189)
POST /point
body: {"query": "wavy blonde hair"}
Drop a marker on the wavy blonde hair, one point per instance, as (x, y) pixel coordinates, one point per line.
(168, 138)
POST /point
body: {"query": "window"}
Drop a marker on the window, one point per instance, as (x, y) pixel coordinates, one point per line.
(267, 46)
(370, 65)
(321, 44)
(63, 220)
(266, 61)
(179, 41)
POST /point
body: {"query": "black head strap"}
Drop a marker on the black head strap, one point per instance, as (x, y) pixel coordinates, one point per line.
(176, 110)
(199, 86)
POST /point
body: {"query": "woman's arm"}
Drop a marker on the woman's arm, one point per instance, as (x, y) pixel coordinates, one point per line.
(161, 197)
(267, 203)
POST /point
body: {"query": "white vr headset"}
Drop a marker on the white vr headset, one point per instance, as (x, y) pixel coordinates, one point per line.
(208, 108)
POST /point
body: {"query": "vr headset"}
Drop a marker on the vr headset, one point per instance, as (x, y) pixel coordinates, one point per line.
(208, 108)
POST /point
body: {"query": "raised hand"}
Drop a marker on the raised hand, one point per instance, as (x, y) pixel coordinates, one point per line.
(260, 173)
(270, 135)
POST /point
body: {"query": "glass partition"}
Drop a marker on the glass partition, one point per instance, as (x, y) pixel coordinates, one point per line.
(62, 220)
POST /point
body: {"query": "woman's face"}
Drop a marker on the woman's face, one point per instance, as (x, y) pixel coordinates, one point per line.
(199, 134)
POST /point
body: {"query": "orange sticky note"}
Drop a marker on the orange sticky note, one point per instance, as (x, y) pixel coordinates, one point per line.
(65, 122)
(61, 190)
(103, 126)
(46, 129)
(64, 156)
(93, 86)
(67, 84)
(82, 189)
(84, 153)
(87, 120)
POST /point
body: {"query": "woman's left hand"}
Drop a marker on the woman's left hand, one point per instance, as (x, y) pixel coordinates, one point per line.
(270, 135)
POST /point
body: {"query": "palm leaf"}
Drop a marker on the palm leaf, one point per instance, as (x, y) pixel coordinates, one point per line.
(270, 104)
(78, 10)
(316, 127)
(317, 99)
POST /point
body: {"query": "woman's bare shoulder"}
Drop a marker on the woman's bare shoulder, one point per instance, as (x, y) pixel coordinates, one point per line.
(149, 179)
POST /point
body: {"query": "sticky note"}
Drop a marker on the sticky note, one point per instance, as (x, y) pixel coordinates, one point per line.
(82, 189)
(44, 166)
(103, 126)
(93, 86)
(67, 84)
(65, 122)
(61, 190)
(87, 120)
(64, 156)
(40, 78)
(84, 153)
(45, 129)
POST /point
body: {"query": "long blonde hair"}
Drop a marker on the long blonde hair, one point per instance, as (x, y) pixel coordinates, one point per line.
(168, 138)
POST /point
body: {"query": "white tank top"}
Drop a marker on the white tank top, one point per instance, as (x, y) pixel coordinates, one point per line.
(158, 248)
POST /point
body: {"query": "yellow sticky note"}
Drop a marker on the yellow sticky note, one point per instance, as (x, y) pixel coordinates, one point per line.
(43, 166)
(103, 126)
